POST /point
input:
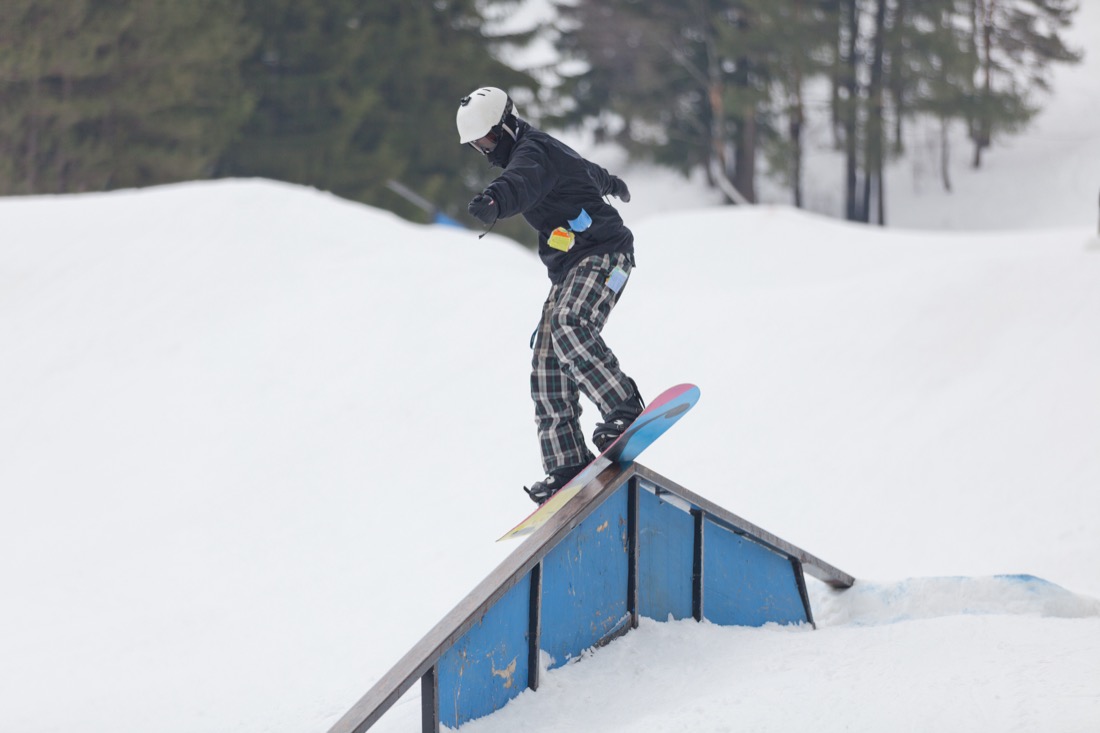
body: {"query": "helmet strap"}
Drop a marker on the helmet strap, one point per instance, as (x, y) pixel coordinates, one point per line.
(508, 107)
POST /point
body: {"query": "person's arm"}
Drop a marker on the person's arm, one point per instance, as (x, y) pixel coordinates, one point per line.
(523, 184)
(608, 184)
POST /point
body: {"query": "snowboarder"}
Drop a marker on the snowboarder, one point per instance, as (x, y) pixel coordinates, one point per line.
(588, 253)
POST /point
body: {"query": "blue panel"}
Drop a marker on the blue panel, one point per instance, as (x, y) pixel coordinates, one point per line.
(666, 541)
(584, 583)
(487, 667)
(746, 584)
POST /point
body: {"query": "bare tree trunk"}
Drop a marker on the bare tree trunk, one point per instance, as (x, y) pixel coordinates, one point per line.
(983, 133)
(744, 160)
(795, 119)
(744, 151)
(837, 80)
(898, 81)
(718, 170)
(875, 154)
(794, 129)
(881, 193)
(30, 176)
(851, 117)
(945, 155)
(717, 125)
(61, 162)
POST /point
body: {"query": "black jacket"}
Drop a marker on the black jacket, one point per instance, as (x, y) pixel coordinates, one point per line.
(549, 183)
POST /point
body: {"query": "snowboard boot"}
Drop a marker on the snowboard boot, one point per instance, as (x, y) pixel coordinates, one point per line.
(559, 477)
(618, 420)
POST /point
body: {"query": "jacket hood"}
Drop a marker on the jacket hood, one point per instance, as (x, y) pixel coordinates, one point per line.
(502, 153)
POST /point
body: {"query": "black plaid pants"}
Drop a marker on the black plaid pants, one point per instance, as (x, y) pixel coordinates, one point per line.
(570, 357)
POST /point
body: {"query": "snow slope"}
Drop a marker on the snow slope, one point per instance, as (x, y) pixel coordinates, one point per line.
(255, 441)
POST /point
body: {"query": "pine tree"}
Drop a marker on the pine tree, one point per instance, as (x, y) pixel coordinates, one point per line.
(797, 38)
(700, 83)
(933, 67)
(114, 93)
(1015, 42)
(710, 84)
(352, 95)
(653, 81)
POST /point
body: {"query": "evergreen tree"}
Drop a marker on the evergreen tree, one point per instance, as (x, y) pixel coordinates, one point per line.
(697, 83)
(116, 93)
(794, 40)
(354, 94)
(1015, 42)
(708, 83)
(652, 82)
(933, 67)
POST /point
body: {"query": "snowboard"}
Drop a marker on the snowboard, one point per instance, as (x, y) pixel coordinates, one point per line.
(654, 420)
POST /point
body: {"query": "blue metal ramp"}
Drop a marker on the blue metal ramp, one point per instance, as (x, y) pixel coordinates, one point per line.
(631, 544)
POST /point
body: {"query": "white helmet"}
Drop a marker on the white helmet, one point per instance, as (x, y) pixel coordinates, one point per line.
(481, 111)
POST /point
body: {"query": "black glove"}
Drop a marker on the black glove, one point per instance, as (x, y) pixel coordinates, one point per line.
(619, 189)
(483, 208)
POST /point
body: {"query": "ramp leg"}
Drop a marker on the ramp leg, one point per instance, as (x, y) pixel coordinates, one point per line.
(800, 578)
(697, 567)
(429, 702)
(633, 548)
(534, 628)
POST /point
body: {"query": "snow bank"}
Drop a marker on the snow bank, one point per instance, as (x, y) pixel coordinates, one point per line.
(869, 603)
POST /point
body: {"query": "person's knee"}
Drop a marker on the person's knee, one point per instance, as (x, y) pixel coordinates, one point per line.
(568, 329)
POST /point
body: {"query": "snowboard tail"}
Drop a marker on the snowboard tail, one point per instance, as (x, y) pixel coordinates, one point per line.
(652, 423)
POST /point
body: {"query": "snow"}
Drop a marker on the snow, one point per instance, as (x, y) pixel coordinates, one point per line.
(255, 441)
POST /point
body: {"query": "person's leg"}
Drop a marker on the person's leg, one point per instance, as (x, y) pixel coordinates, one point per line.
(580, 312)
(557, 401)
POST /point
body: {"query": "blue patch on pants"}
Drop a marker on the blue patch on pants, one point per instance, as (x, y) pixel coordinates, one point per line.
(617, 279)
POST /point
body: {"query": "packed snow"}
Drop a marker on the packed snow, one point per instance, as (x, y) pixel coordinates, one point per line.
(255, 441)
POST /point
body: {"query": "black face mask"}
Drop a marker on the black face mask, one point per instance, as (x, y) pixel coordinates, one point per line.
(503, 151)
(500, 155)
